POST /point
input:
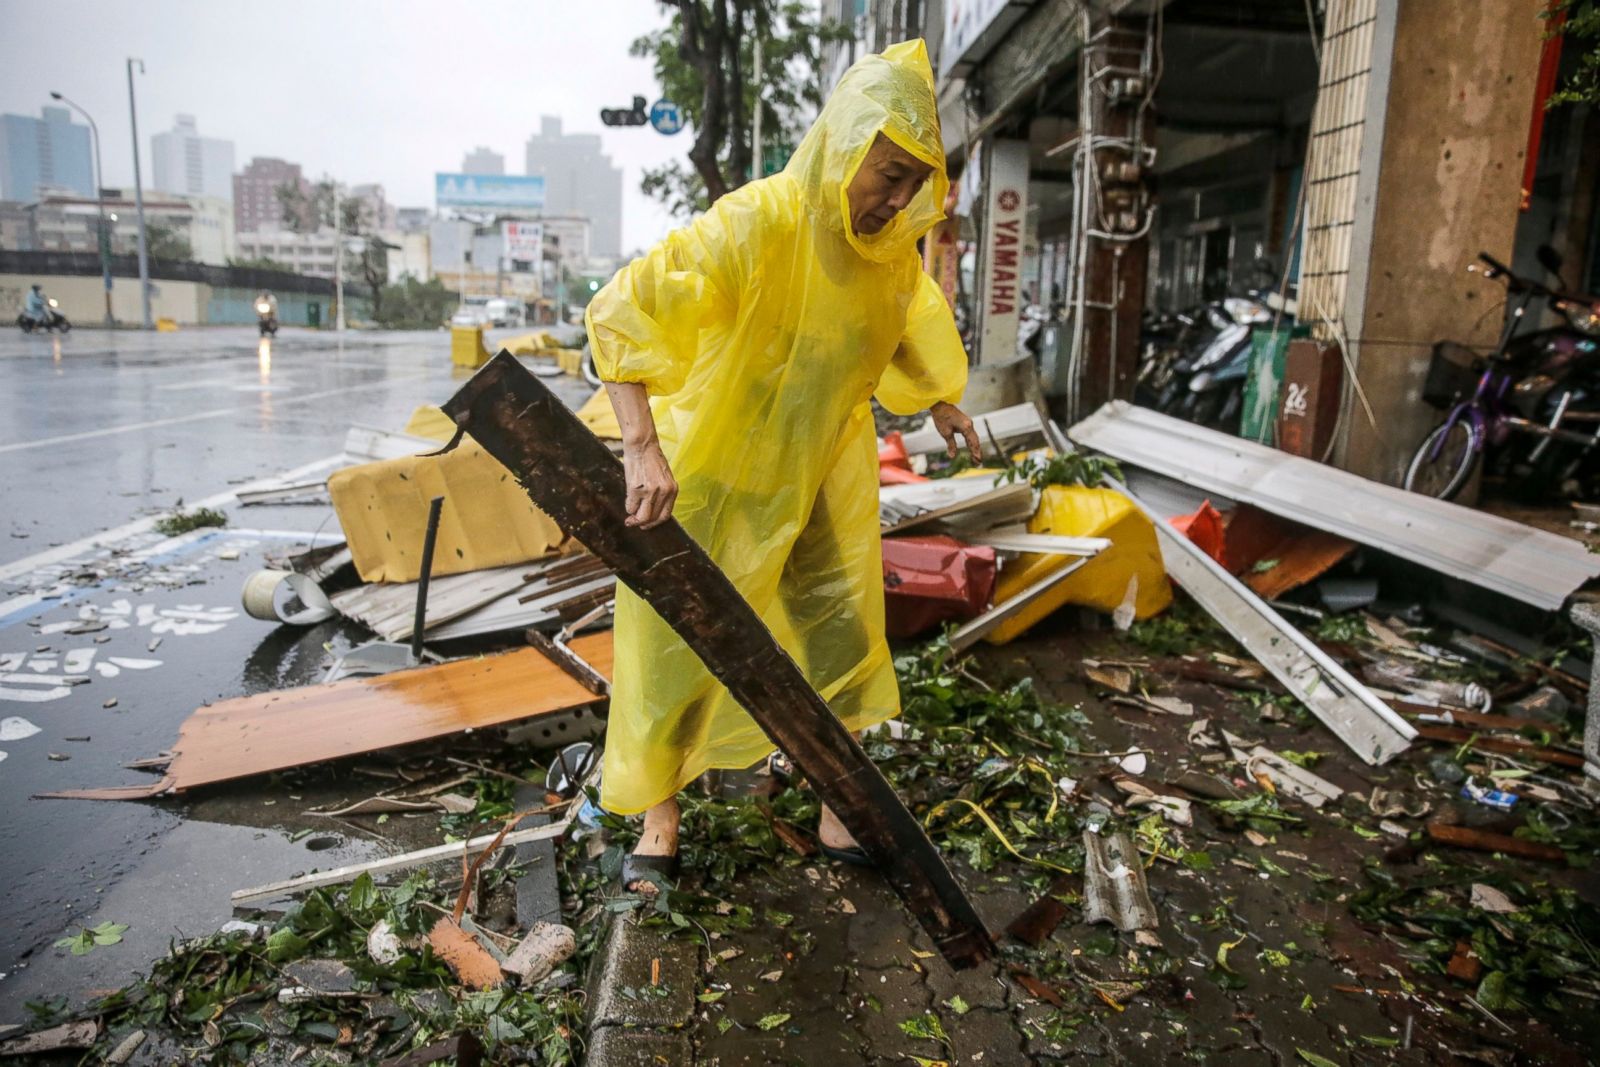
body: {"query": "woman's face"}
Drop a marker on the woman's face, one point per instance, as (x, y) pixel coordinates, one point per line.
(887, 182)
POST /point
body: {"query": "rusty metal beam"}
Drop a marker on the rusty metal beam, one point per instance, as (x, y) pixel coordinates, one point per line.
(575, 479)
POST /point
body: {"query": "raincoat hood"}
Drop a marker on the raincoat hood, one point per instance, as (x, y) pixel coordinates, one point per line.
(891, 93)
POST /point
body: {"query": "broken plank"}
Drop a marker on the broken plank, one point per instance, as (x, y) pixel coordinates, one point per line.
(1486, 841)
(1041, 918)
(310, 724)
(576, 480)
(1455, 735)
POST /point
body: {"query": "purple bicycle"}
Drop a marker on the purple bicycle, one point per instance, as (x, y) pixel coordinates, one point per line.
(1539, 389)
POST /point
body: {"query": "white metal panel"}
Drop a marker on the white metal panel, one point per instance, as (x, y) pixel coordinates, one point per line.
(1530, 565)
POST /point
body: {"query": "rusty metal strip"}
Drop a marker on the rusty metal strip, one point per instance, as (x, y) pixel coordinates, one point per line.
(576, 480)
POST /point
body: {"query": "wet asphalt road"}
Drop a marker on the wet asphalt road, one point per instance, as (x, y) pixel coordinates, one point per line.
(120, 424)
(102, 429)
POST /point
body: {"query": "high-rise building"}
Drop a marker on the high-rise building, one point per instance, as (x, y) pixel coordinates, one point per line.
(191, 165)
(48, 153)
(482, 160)
(579, 179)
(255, 193)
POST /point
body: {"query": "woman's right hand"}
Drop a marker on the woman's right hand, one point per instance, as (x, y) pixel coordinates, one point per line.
(651, 488)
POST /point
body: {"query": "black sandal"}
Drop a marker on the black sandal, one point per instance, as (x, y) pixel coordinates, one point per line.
(854, 855)
(636, 868)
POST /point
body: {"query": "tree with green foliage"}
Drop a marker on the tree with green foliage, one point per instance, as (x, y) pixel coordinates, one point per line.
(1579, 22)
(306, 211)
(163, 240)
(705, 62)
(414, 305)
(259, 263)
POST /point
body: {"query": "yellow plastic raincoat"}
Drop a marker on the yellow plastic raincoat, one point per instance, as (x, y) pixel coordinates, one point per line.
(761, 332)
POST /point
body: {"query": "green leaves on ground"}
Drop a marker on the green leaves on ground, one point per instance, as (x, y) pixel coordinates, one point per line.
(181, 522)
(1260, 812)
(1315, 1060)
(214, 989)
(88, 938)
(773, 1021)
(1074, 468)
(927, 1027)
(1529, 957)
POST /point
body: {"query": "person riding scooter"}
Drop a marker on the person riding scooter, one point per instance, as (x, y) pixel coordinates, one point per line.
(267, 313)
(39, 313)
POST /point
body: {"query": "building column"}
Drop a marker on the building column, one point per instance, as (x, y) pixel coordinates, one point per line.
(1116, 87)
(1448, 90)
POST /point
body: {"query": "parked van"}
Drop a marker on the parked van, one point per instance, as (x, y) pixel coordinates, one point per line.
(505, 311)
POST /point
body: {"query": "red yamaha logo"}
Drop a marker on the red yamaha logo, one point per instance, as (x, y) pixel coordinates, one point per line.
(1009, 199)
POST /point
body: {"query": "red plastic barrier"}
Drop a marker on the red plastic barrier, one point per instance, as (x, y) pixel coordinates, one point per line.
(930, 580)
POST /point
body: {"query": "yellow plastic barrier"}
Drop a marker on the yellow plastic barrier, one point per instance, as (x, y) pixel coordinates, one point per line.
(432, 423)
(488, 520)
(570, 360)
(538, 343)
(1074, 511)
(466, 346)
(165, 325)
(600, 417)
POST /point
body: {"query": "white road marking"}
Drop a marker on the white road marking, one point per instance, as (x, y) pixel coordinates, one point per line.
(89, 435)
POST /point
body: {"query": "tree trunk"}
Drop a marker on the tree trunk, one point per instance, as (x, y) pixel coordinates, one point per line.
(739, 124)
(702, 48)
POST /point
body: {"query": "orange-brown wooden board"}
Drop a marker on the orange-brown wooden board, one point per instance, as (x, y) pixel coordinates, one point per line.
(294, 727)
(1304, 559)
(1289, 554)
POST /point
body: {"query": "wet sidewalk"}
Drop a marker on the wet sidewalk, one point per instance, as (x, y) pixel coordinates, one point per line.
(1258, 956)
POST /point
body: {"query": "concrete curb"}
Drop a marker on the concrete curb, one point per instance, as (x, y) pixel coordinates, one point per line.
(632, 1019)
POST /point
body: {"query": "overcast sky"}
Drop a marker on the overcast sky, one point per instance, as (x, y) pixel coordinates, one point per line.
(364, 90)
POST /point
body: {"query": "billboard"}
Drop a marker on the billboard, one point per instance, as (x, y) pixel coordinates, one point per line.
(965, 21)
(523, 241)
(1004, 220)
(507, 191)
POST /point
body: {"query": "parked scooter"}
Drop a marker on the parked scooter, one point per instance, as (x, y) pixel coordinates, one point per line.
(1198, 370)
(1534, 412)
(42, 313)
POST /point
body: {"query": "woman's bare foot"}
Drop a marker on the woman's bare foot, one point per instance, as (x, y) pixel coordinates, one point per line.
(659, 838)
(832, 832)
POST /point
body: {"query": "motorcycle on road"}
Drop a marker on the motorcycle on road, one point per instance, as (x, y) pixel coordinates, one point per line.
(51, 321)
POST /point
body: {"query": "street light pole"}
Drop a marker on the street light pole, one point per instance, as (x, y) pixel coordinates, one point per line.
(100, 201)
(138, 200)
(338, 259)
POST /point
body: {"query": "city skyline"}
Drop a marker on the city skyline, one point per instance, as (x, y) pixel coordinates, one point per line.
(421, 127)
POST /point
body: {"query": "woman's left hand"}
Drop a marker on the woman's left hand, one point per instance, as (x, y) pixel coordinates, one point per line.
(952, 422)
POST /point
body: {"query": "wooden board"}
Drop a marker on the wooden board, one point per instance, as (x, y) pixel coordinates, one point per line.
(294, 727)
(576, 480)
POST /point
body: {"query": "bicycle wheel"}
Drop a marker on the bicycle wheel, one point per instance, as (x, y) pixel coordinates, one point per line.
(1444, 461)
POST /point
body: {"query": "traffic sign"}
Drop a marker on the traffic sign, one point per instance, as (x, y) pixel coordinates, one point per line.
(666, 117)
(622, 116)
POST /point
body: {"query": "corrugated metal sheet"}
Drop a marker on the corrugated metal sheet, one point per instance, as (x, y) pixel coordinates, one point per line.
(1114, 889)
(1371, 729)
(390, 608)
(1529, 565)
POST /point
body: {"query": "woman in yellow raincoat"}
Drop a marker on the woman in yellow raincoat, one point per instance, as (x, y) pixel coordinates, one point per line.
(741, 355)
